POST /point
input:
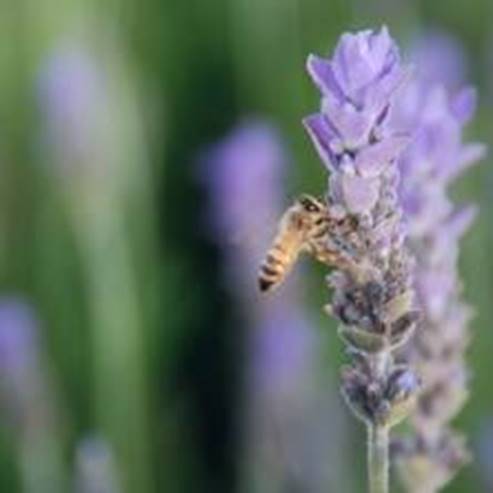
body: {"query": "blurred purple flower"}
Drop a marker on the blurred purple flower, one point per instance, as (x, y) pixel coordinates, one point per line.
(437, 155)
(439, 58)
(68, 84)
(23, 379)
(244, 176)
(71, 92)
(282, 352)
(18, 339)
(435, 159)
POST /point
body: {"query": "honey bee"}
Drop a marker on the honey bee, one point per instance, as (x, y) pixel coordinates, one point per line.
(304, 228)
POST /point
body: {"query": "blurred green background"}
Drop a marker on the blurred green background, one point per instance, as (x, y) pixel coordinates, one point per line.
(140, 342)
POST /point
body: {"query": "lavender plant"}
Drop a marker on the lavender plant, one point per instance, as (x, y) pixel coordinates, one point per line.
(432, 455)
(373, 297)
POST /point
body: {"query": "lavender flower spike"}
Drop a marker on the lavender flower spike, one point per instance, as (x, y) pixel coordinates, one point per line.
(434, 453)
(372, 286)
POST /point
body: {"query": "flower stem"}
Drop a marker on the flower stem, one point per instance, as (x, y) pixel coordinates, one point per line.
(378, 458)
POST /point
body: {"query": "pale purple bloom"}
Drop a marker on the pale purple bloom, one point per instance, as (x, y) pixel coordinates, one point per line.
(71, 91)
(19, 343)
(244, 175)
(69, 85)
(88, 132)
(436, 120)
(439, 58)
(435, 117)
(283, 347)
(436, 157)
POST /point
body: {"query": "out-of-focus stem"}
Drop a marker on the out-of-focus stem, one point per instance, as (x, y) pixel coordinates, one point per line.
(121, 392)
(378, 458)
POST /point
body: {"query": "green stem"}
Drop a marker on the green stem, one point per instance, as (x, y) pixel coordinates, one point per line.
(378, 458)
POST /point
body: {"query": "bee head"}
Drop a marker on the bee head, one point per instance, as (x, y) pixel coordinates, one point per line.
(310, 204)
(307, 212)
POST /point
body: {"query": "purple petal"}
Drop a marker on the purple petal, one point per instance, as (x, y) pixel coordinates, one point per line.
(321, 72)
(321, 135)
(381, 44)
(354, 125)
(378, 95)
(372, 160)
(350, 62)
(362, 59)
(360, 194)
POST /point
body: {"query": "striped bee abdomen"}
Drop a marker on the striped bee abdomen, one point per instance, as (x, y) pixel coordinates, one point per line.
(274, 268)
